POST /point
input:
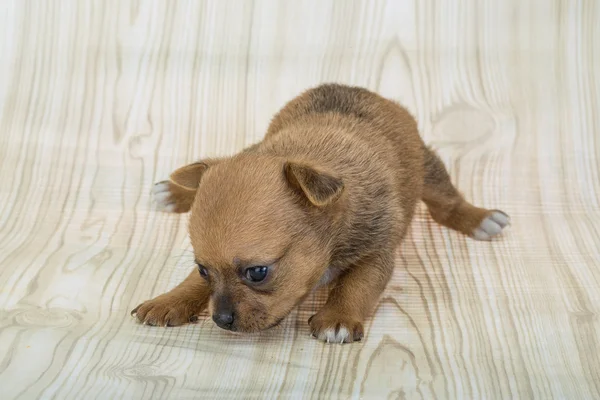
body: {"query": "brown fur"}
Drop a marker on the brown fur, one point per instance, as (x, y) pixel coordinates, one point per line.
(331, 189)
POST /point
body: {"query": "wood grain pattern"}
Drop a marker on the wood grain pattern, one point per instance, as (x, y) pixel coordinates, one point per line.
(99, 99)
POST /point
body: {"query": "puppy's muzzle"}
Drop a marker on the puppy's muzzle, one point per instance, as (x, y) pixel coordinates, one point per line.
(224, 313)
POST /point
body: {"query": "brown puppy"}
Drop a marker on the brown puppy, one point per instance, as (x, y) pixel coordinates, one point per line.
(325, 198)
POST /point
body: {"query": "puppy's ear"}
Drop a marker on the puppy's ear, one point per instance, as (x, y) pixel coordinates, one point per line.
(188, 177)
(320, 188)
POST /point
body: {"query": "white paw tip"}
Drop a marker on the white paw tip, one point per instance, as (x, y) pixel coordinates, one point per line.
(500, 218)
(162, 197)
(160, 187)
(491, 226)
(168, 208)
(330, 335)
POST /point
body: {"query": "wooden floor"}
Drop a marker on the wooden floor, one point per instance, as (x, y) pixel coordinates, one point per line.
(99, 99)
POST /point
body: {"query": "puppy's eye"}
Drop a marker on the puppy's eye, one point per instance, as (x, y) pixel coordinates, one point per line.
(203, 271)
(256, 274)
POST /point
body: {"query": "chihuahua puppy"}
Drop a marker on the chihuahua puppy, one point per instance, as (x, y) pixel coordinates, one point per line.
(324, 199)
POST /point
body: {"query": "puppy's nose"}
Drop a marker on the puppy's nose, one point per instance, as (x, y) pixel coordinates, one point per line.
(223, 311)
(223, 319)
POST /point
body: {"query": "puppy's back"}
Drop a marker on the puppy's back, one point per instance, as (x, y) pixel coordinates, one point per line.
(371, 142)
(389, 118)
(386, 132)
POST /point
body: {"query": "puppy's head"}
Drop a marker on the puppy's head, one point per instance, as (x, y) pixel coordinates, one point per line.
(259, 228)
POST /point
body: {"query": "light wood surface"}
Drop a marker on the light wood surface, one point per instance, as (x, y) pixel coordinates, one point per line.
(98, 100)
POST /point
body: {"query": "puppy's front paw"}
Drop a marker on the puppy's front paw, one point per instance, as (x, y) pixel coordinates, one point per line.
(166, 310)
(334, 327)
(492, 225)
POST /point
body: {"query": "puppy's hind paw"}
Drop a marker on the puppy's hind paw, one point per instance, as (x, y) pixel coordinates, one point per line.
(492, 225)
(171, 197)
(164, 199)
